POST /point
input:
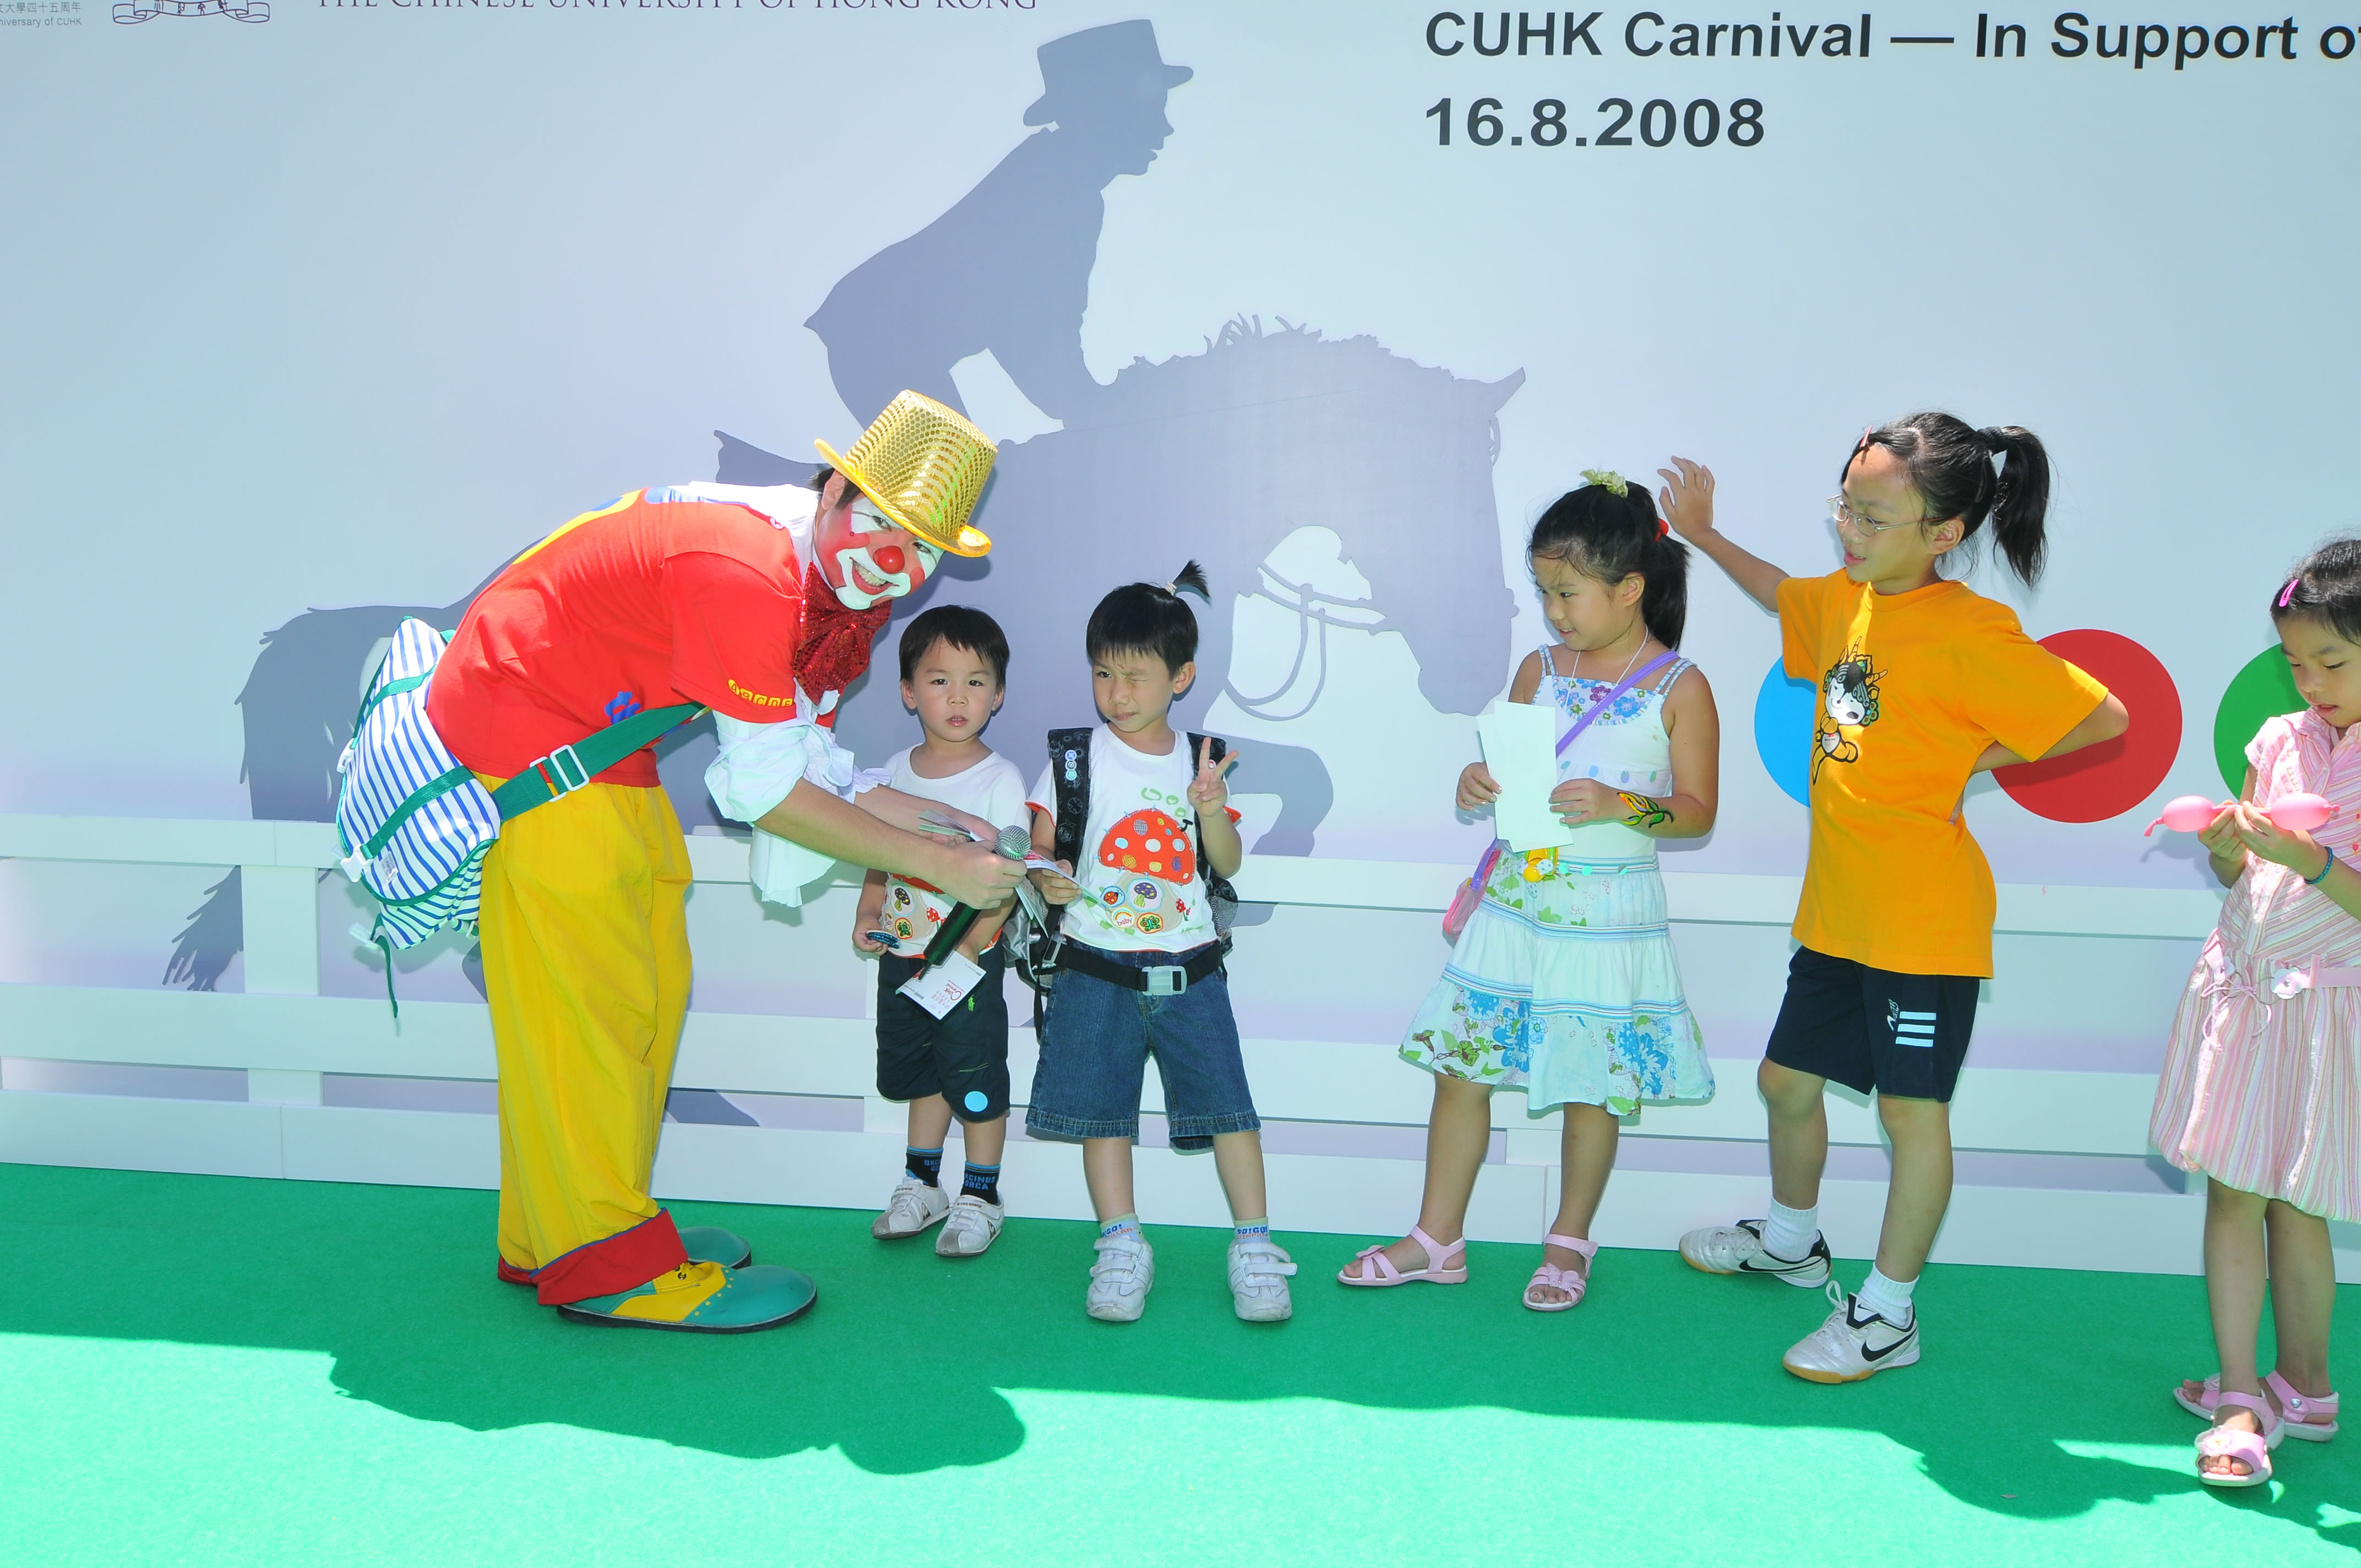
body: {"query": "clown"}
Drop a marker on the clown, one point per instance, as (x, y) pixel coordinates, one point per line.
(759, 603)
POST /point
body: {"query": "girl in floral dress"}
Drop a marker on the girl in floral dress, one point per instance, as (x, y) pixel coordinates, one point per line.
(1563, 983)
(2261, 1087)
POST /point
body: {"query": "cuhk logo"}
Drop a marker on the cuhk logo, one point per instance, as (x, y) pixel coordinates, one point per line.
(135, 12)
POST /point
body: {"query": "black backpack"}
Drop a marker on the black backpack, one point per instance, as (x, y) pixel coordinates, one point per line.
(1034, 946)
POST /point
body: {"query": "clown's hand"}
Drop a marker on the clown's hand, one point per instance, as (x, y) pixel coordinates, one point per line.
(1210, 790)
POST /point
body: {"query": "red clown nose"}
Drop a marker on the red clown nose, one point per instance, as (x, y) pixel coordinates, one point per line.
(889, 559)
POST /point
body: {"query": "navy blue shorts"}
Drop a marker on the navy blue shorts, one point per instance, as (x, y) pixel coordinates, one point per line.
(1096, 1038)
(1903, 1034)
(962, 1056)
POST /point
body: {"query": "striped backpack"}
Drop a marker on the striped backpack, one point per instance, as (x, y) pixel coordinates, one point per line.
(411, 818)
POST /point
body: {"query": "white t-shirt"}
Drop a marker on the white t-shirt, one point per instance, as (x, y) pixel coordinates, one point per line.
(1141, 888)
(993, 790)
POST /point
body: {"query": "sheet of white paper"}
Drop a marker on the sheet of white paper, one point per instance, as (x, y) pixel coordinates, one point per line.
(1521, 749)
(940, 989)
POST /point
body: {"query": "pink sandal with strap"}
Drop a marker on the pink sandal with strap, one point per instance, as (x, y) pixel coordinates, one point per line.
(2251, 1449)
(2297, 1410)
(1372, 1269)
(1574, 1282)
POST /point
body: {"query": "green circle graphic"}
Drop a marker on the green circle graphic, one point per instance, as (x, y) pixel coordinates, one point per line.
(2262, 690)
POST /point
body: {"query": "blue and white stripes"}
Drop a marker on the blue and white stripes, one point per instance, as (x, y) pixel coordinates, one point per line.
(413, 820)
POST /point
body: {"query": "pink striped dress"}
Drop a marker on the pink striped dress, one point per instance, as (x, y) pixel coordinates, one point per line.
(2261, 1089)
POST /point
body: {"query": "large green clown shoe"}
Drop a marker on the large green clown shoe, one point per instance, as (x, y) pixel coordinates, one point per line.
(704, 1298)
(704, 1243)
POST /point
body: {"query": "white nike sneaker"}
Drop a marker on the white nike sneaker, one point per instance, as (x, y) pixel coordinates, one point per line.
(1854, 1343)
(1259, 1271)
(1738, 1249)
(973, 1225)
(1120, 1279)
(914, 1206)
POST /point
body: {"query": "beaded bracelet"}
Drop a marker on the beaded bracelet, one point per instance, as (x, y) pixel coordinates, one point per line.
(2324, 870)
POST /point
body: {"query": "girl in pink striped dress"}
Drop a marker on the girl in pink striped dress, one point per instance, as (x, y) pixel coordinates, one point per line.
(2261, 1089)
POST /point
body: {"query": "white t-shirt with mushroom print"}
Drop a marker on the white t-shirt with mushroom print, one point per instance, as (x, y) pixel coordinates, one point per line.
(1142, 889)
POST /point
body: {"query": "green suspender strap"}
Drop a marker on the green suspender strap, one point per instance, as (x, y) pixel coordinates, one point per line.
(569, 767)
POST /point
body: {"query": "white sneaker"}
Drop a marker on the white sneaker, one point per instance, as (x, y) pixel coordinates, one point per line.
(1259, 1271)
(1121, 1277)
(1854, 1343)
(1738, 1249)
(914, 1206)
(973, 1225)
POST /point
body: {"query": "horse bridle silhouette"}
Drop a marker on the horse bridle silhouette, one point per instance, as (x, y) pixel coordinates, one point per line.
(1311, 607)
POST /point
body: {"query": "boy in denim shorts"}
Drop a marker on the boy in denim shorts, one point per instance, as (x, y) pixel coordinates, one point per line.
(1140, 970)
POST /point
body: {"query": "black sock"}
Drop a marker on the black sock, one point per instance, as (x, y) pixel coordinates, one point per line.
(982, 1180)
(927, 1165)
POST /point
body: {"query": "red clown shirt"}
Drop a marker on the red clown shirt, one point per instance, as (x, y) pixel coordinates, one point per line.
(662, 597)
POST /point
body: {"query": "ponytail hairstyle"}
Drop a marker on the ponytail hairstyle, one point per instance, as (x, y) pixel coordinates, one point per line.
(1950, 466)
(1149, 618)
(1608, 530)
(2326, 587)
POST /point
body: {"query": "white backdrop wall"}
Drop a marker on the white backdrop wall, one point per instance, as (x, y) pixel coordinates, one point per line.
(333, 311)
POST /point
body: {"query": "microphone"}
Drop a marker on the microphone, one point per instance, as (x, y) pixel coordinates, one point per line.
(1014, 844)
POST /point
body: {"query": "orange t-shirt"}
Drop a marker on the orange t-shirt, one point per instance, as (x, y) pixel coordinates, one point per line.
(1911, 688)
(641, 604)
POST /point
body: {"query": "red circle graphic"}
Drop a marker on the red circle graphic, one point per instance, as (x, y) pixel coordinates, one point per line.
(2111, 778)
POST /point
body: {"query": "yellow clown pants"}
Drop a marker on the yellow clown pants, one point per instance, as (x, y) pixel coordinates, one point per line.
(586, 967)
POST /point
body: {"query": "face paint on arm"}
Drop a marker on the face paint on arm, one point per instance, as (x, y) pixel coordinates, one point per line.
(1642, 812)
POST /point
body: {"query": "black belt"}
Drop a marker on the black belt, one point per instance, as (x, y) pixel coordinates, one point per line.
(1161, 980)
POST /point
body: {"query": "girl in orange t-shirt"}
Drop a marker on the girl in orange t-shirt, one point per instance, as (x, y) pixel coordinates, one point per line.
(1923, 683)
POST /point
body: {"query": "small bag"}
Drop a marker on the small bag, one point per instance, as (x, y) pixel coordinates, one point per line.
(1471, 891)
(412, 820)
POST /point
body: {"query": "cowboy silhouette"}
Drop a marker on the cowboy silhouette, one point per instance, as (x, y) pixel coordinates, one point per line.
(1008, 269)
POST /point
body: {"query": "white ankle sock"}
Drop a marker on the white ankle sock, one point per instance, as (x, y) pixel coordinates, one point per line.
(1889, 1298)
(1789, 1233)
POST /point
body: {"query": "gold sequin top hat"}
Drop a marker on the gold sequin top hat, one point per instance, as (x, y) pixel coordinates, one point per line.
(1090, 63)
(925, 465)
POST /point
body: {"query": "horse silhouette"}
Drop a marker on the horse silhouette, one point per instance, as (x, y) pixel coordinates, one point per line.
(1218, 456)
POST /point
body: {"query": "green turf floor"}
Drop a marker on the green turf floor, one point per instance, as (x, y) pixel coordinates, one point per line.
(198, 1370)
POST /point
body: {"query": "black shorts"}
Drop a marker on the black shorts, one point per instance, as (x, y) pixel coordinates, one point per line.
(963, 1057)
(1902, 1034)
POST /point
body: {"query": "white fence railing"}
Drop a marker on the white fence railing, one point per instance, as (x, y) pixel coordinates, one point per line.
(285, 1037)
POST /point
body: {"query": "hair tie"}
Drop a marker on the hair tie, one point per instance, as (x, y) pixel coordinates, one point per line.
(1608, 479)
(1663, 527)
(2288, 592)
(1994, 437)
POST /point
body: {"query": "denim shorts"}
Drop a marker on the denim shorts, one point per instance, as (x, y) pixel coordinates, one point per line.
(1096, 1038)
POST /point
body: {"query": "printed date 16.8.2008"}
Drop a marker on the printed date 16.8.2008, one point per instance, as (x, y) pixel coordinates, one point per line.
(1658, 121)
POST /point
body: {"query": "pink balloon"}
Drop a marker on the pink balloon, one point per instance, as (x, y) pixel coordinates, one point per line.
(2185, 815)
(2297, 813)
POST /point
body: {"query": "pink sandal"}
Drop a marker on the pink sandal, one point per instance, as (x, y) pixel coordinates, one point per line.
(1372, 1269)
(1574, 1282)
(2251, 1449)
(2297, 1410)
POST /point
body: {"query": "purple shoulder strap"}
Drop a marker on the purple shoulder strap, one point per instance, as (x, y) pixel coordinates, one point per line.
(1636, 677)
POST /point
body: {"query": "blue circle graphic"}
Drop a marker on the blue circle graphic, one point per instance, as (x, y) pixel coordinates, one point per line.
(1782, 731)
(976, 1100)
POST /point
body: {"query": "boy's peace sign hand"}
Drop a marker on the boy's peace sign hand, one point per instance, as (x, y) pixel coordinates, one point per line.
(1210, 790)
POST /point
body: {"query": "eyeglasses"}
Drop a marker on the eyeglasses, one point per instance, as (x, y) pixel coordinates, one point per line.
(1841, 511)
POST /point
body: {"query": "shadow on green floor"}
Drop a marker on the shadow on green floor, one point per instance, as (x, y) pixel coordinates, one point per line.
(901, 1363)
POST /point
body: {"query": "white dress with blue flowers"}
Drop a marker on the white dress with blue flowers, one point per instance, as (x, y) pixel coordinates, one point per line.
(1564, 983)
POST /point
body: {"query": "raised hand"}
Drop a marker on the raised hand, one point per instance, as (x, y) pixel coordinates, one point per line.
(1210, 790)
(1478, 788)
(1686, 499)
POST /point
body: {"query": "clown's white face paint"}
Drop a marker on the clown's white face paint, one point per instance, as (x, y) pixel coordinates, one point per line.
(866, 559)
